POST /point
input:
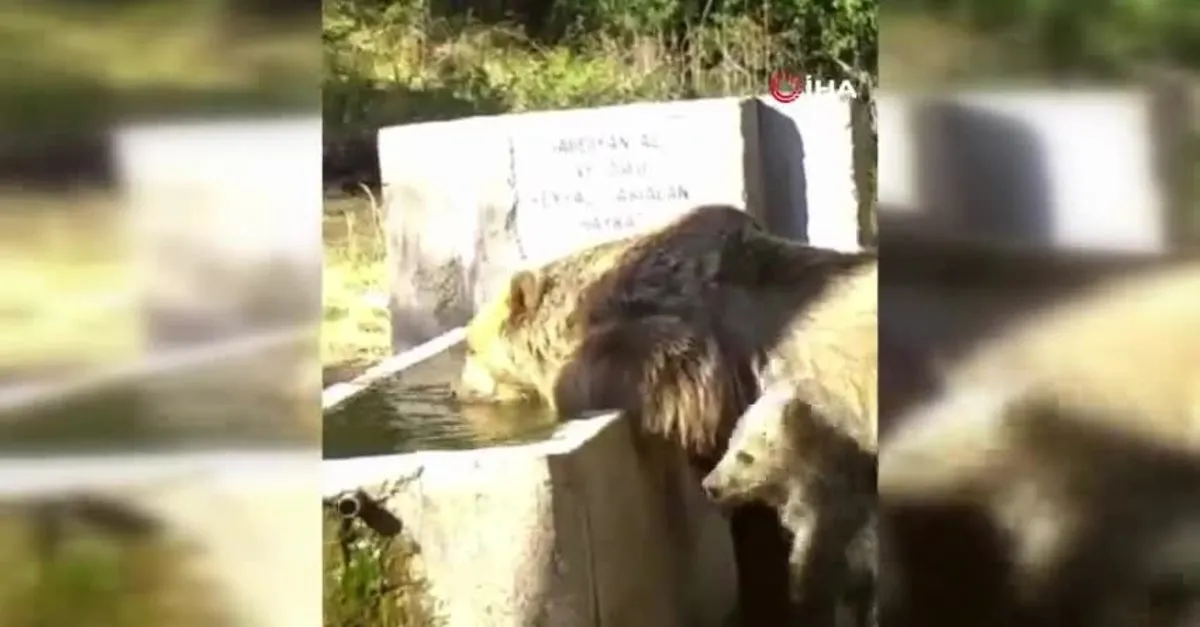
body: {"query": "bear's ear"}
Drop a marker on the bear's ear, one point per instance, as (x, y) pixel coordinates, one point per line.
(524, 292)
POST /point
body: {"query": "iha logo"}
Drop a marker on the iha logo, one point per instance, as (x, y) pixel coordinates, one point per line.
(786, 87)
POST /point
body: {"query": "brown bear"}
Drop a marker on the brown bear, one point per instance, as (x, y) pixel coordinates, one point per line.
(672, 327)
(792, 450)
(1074, 436)
(808, 445)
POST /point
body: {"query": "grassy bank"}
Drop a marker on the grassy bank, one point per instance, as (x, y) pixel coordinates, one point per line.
(355, 330)
(66, 284)
(372, 581)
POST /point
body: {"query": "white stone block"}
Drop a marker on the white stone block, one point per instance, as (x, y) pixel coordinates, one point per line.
(808, 169)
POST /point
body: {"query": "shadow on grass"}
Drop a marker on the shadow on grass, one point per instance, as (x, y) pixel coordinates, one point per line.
(356, 108)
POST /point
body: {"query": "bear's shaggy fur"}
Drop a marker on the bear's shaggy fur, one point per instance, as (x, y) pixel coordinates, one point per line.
(807, 446)
(1081, 422)
(687, 312)
(829, 355)
(792, 451)
(673, 328)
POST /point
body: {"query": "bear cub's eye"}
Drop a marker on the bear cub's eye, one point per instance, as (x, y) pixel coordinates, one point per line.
(744, 458)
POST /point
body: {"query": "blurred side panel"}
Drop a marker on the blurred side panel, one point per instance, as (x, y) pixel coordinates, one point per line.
(159, 289)
(1026, 156)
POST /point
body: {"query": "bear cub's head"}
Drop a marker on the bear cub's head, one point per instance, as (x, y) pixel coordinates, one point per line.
(758, 463)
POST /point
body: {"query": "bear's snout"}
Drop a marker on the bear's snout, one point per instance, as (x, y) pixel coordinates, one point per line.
(712, 488)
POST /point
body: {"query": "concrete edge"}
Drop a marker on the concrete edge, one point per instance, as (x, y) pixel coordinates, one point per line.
(338, 393)
(342, 475)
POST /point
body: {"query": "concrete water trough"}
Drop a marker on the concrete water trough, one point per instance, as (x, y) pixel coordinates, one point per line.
(520, 520)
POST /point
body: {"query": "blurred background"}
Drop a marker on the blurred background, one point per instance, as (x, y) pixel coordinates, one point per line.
(1031, 67)
(159, 290)
(154, 303)
(1027, 149)
(1028, 152)
(938, 43)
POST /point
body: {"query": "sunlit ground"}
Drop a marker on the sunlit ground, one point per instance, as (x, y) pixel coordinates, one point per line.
(67, 283)
(355, 330)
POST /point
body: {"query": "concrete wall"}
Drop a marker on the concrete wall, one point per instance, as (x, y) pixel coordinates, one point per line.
(470, 201)
(586, 529)
(225, 225)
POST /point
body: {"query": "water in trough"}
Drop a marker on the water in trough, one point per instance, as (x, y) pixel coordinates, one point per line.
(415, 410)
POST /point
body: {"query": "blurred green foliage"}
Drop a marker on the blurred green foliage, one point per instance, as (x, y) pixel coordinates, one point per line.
(932, 43)
(1045, 39)
(403, 61)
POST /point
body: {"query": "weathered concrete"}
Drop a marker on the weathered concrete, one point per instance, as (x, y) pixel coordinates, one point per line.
(587, 528)
(1023, 166)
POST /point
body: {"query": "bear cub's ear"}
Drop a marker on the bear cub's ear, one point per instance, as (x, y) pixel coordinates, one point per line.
(525, 292)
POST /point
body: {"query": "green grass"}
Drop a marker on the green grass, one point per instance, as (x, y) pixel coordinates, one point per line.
(371, 581)
(152, 44)
(97, 579)
(66, 282)
(355, 332)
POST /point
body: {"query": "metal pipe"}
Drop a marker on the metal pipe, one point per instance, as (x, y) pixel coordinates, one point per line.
(349, 505)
